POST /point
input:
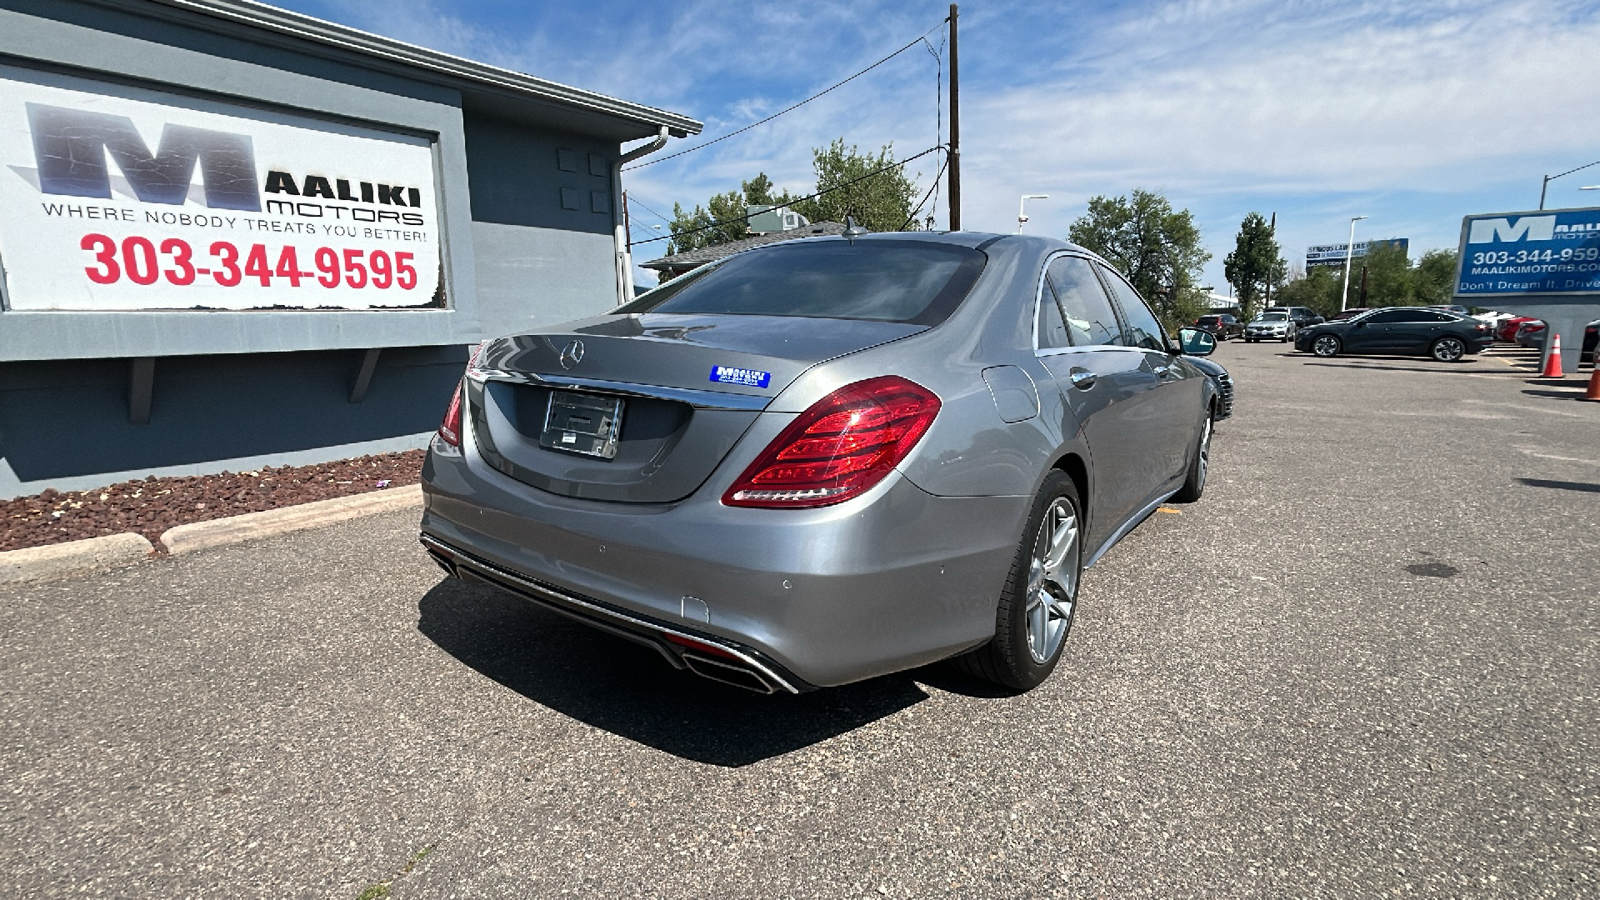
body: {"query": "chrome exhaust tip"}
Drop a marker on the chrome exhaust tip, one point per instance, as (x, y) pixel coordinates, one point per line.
(728, 672)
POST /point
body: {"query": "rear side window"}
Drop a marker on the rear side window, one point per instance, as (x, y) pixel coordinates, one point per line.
(912, 282)
(1052, 331)
(1143, 329)
(1090, 320)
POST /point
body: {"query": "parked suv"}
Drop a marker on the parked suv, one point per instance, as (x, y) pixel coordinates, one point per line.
(1221, 325)
(1274, 324)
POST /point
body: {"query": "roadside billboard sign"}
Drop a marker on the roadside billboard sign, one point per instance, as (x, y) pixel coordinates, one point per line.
(120, 198)
(1542, 253)
(1334, 254)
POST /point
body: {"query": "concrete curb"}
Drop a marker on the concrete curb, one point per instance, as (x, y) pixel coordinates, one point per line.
(56, 561)
(184, 539)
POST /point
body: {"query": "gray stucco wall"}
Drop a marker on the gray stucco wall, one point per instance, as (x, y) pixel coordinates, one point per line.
(64, 424)
(538, 276)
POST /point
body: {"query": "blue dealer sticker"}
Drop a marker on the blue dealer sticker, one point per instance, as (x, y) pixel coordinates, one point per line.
(746, 377)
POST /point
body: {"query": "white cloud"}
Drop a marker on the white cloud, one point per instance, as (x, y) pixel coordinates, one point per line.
(1412, 113)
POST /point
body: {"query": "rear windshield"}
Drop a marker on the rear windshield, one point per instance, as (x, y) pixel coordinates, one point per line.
(912, 282)
(1272, 316)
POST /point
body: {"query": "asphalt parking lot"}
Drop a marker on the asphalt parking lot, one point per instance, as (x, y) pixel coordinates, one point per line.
(1364, 664)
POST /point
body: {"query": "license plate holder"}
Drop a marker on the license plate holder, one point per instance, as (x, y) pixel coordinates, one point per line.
(585, 424)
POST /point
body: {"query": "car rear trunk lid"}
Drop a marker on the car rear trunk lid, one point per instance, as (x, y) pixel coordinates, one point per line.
(642, 408)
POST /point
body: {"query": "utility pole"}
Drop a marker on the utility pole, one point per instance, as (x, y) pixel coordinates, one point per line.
(955, 126)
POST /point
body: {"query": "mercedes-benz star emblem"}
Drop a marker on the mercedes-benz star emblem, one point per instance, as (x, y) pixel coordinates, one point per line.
(571, 354)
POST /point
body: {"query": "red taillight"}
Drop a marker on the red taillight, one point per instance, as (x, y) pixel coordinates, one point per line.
(844, 444)
(450, 429)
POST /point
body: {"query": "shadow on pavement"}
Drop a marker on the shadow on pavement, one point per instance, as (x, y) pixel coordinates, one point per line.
(1580, 486)
(1436, 367)
(630, 691)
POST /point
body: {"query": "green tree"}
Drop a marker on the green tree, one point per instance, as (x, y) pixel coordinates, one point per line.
(1435, 277)
(1157, 248)
(1389, 277)
(1317, 289)
(725, 221)
(1255, 265)
(881, 203)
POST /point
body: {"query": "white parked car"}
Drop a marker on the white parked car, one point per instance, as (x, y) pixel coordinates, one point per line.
(1274, 324)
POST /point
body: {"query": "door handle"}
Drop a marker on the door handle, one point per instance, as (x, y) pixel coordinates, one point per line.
(1162, 371)
(1082, 379)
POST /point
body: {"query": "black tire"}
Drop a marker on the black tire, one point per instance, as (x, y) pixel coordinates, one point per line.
(1448, 349)
(1326, 345)
(1199, 463)
(1012, 657)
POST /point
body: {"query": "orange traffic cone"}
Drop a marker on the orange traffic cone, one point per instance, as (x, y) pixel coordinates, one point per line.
(1593, 393)
(1552, 363)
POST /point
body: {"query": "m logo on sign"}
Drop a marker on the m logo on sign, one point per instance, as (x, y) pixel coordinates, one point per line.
(1527, 228)
(70, 147)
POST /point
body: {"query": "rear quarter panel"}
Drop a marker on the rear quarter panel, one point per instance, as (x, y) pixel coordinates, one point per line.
(970, 451)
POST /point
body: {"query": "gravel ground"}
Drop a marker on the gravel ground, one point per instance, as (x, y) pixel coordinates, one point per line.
(152, 505)
(1366, 664)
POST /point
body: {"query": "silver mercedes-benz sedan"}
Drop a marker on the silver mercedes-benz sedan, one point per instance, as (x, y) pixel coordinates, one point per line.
(828, 459)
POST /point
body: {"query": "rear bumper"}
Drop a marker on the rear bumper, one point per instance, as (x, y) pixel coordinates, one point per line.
(888, 581)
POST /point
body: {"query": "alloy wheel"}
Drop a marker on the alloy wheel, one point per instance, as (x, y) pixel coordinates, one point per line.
(1052, 580)
(1448, 349)
(1325, 345)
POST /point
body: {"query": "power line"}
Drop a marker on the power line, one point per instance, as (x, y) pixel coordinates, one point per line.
(748, 216)
(913, 216)
(660, 159)
(635, 202)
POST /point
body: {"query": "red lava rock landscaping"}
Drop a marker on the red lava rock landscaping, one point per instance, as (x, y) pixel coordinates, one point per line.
(151, 506)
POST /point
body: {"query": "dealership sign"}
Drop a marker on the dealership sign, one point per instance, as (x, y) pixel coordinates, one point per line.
(121, 199)
(1334, 254)
(1542, 253)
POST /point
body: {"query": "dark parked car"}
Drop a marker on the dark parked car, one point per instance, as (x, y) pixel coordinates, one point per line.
(1444, 336)
(1220, 326)
(1301, 316)
(824, 460)
(1223, 382)
(1530, 334)
(1506, 329)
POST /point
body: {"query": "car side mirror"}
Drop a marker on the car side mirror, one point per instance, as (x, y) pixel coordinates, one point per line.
(1195, 342)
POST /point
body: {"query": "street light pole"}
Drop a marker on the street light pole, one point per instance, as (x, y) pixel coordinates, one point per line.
(1550, 178)
(1349, 248)
(1022, 214)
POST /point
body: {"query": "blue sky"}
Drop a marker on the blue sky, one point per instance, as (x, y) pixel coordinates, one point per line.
(1413, 114)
